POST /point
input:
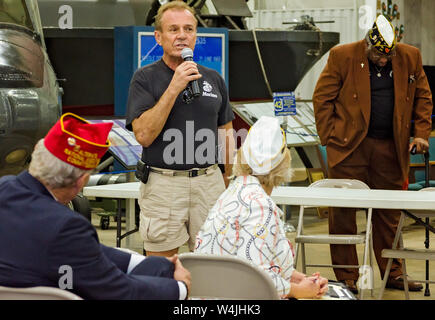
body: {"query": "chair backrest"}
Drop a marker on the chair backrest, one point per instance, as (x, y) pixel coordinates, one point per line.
(36, 293)
(425, 213)
(339, 183)
(227, 277)
(431, 189)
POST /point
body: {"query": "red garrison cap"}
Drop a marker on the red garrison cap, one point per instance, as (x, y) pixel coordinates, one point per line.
(77, 142)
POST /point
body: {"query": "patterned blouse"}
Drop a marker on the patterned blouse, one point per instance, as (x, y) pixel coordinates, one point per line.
(245, 222)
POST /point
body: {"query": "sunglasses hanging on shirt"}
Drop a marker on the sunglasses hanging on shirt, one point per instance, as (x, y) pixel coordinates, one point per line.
(188, 95)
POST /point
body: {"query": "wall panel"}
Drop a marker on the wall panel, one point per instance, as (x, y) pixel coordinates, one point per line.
(344, 23)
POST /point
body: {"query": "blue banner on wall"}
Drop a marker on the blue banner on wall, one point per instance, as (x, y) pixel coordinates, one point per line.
(135, 47)
(209, 51)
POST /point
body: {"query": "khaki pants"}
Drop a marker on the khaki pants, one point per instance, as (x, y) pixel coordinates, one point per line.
(173, 208)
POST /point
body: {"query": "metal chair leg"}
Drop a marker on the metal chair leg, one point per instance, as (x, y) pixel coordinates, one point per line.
(304, 268)
(404, 272)
(371, 260)
(367, 249)
(390, 260)
(299, 232)
(295, 261)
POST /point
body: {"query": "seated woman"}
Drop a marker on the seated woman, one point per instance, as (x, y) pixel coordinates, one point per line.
(245, 221)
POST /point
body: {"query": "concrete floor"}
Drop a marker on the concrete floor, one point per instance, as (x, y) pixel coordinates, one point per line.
(413, 237)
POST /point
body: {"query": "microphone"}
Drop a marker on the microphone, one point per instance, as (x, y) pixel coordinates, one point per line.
(187, 55)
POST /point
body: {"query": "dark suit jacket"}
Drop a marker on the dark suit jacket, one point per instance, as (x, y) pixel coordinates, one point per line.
(38, 235)
(342, 102)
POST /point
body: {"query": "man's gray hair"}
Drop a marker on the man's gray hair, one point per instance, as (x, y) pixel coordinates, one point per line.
(52, 171)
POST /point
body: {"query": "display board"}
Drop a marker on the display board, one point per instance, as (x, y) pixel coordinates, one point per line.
(209, 50)
(300, 128)
(136, 47)
(123, 145)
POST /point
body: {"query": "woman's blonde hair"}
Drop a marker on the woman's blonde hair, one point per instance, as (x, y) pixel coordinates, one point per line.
(281, 173)
(178, 5)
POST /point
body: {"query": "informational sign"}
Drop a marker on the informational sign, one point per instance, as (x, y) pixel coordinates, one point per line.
(284, 103)
(135, 47)
(123, 144)
(210, 50)
(301, 128)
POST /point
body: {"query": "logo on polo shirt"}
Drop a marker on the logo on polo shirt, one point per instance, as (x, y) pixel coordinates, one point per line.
(206, 90)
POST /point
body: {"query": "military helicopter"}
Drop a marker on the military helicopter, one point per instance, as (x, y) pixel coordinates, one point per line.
(30, 96)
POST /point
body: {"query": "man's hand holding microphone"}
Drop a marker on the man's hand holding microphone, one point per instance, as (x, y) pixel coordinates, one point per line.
(186, 77)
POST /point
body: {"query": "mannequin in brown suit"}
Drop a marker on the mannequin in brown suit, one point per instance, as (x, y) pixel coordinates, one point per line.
(364, 102)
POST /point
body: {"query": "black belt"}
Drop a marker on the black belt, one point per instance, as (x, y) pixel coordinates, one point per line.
(184, 173)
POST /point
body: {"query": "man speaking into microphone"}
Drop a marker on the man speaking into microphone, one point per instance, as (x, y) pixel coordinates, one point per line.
(176, 109)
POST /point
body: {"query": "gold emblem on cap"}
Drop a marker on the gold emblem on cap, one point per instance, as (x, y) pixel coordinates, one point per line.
(71, 141)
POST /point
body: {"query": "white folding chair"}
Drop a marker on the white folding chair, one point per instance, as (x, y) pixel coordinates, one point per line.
(301, 238)
(399, 251)
(36, 293)
(227, 277)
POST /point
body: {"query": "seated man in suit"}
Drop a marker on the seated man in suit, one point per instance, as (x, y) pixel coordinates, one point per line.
(40, 237)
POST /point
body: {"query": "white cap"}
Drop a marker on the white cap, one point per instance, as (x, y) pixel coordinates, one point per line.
(385, 29)
(264, 145)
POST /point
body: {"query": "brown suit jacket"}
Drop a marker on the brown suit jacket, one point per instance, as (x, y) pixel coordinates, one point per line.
(342, 101)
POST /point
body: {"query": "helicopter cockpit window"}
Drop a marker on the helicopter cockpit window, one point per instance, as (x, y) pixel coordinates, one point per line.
(16, 12)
